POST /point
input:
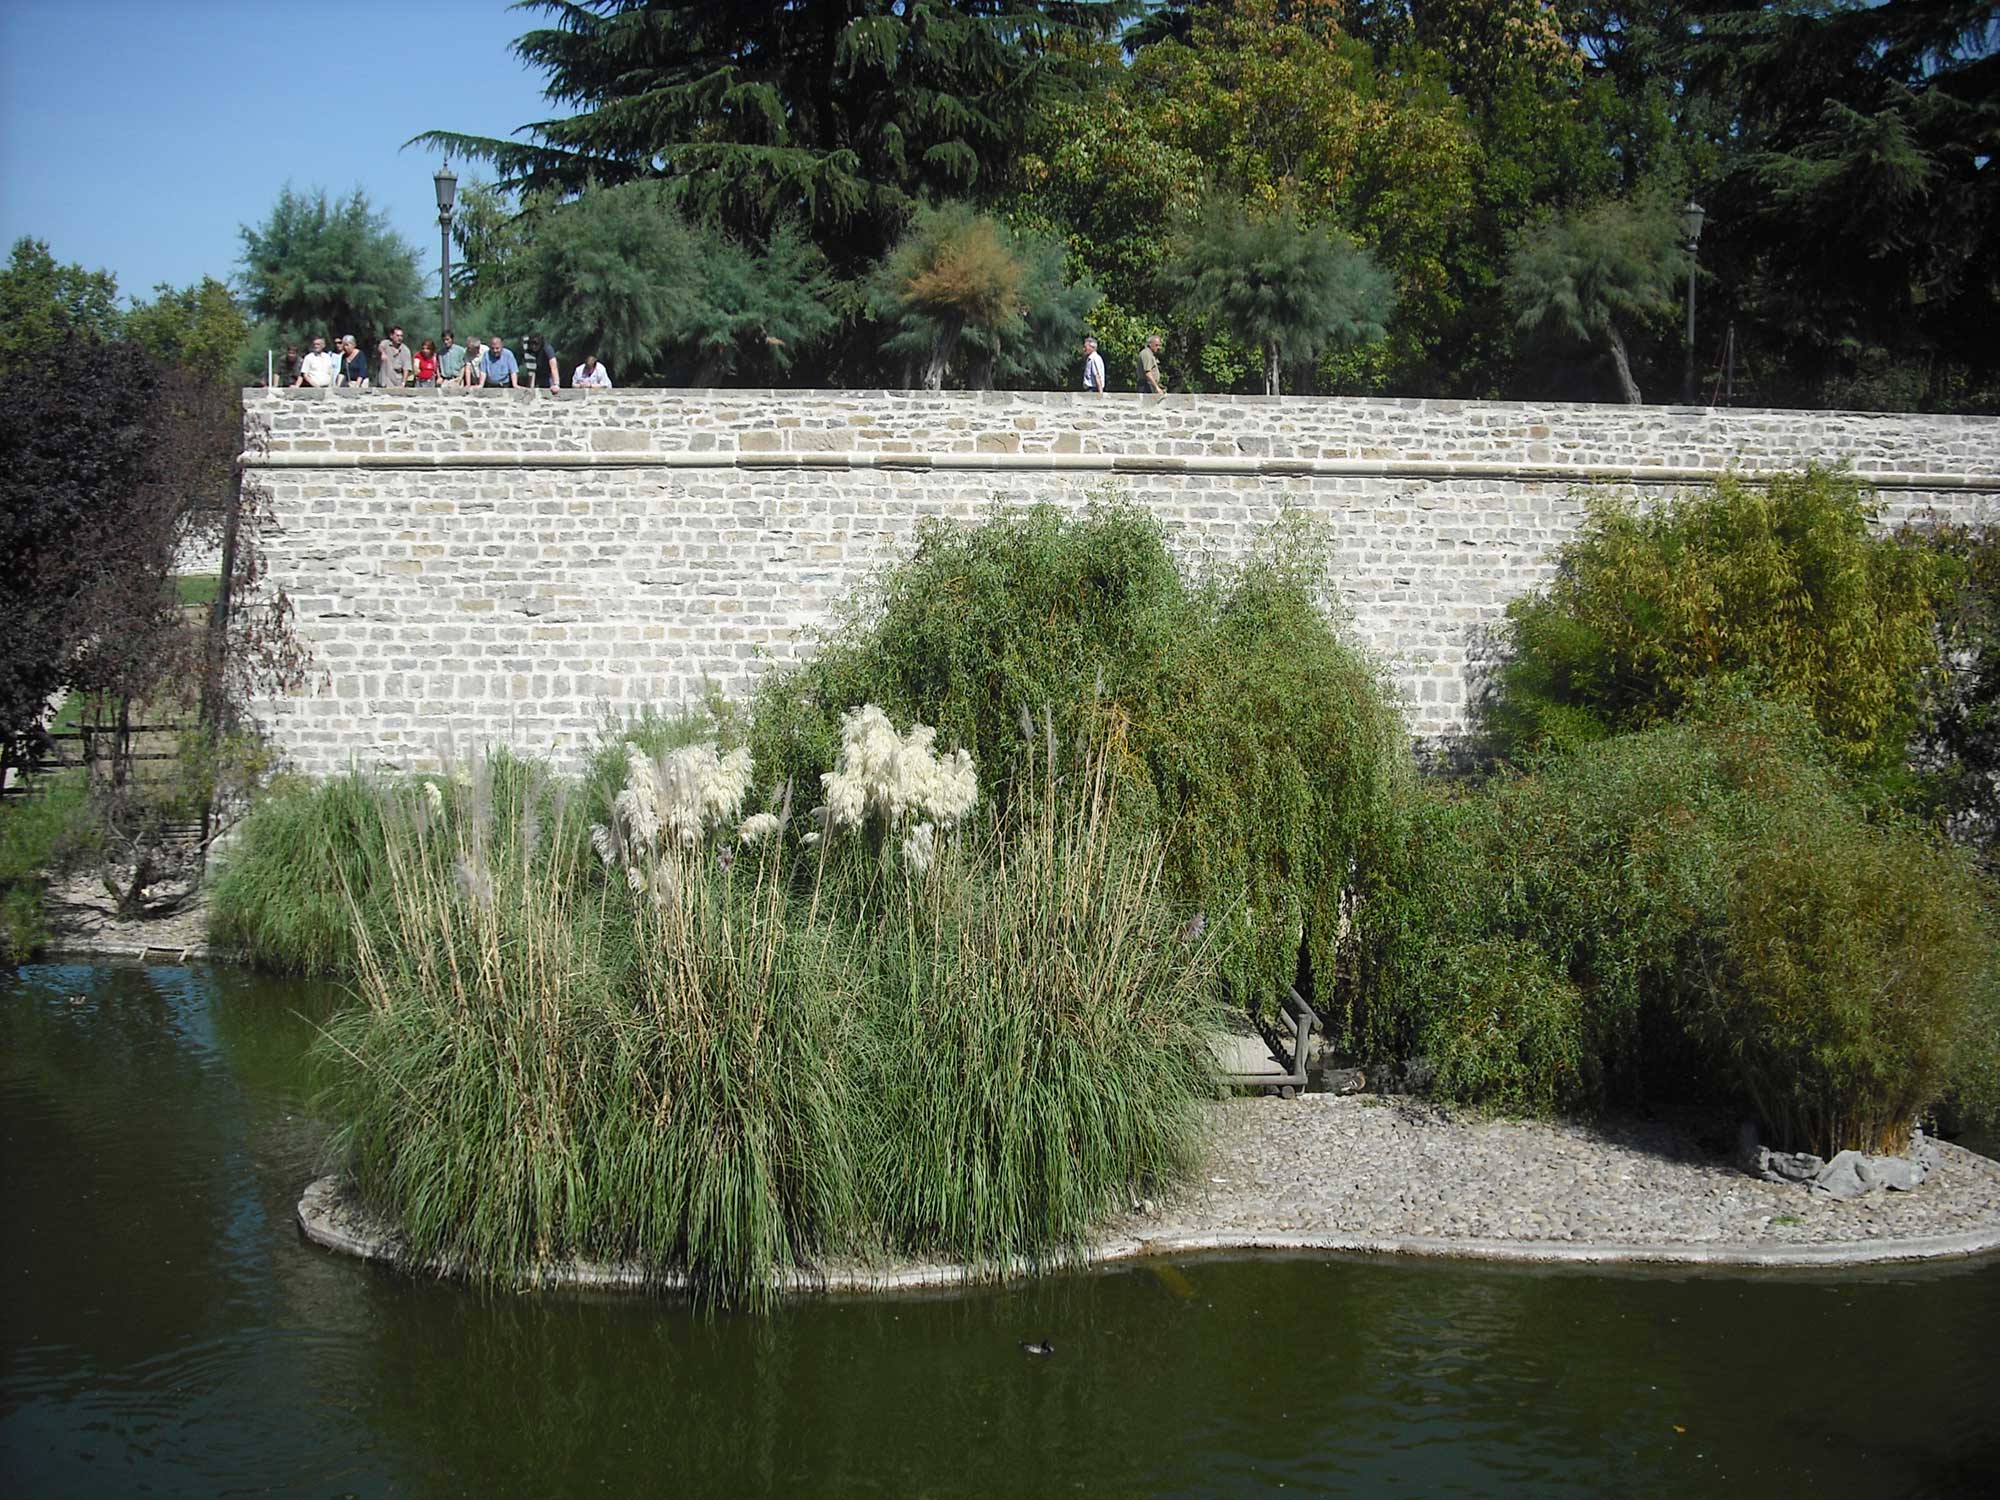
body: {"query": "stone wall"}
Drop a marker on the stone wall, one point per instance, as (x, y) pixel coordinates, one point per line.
(518, 566)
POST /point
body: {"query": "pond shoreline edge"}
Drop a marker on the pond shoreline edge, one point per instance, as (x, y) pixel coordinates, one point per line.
(327, 1219)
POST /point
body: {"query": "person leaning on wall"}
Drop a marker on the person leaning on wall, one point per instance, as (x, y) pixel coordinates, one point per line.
(353, 363)
(544, 370)
(320, 368)
(394, 363)
(498, 369)
(590, 376)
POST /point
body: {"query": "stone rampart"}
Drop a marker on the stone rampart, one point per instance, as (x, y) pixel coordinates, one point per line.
(472, 567)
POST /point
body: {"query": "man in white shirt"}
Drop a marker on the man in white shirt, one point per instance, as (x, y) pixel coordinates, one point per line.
(1093, 366)
(590, 374)
(318, 367)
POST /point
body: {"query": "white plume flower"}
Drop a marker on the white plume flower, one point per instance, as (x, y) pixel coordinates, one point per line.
(920, 848)
(846, 798)
(727, 785)
(955, 791)
(891, 776)
(756, 828)
(638, 806)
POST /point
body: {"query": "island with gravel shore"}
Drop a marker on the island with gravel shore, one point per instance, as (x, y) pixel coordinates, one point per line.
(1392, 1175)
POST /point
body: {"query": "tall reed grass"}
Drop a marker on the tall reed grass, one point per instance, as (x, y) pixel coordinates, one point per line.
(281, 892)
(1043, 1026)
(687, 1051)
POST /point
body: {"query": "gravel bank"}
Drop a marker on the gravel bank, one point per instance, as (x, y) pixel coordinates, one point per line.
(1367, 1172)
(1385, 1175)
(83, 922)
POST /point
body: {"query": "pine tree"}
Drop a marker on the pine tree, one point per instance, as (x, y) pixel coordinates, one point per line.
(847, 111)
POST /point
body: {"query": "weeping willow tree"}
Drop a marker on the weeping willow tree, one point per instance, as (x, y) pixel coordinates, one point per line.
(1588, 277)
(1282, 287)
(962, 296)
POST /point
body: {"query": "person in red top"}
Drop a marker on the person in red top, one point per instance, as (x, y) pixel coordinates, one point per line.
(427, 364)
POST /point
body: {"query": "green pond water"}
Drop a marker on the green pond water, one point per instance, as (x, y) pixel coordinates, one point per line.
(167, 1331)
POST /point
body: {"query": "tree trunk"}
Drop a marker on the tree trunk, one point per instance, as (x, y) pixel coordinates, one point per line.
(1627, 386)
(215, 706)
(943, 349)
(1271, 381)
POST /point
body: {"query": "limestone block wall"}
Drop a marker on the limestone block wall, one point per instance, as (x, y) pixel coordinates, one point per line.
(472, 568)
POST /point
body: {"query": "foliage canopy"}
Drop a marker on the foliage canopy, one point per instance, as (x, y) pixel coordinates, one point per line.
(317, 266)
(1592, 276)
(962, 295)
(851, 112)
(1244, 726)
(1778, 589)
(1283, 288)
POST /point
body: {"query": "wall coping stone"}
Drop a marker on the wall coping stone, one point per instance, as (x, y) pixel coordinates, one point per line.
(1108, 463)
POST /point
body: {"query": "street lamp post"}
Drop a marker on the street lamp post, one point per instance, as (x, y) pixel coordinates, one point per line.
(1691, 216)
(447, 193)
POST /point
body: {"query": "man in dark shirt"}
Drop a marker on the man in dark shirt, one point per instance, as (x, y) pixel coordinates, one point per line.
(543, 371)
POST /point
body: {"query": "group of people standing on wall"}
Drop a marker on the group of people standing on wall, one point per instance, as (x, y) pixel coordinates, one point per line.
(1147, 367)
(490, 365)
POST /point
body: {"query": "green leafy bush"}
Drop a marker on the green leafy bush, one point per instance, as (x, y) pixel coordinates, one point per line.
(34, 829)
(1779, 590)
(1506, 1028)
(1698, 910)
(1958, 749)
(1242, 727)
(1862, 981)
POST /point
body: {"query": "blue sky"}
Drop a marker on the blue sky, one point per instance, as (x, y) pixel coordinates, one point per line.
(136, 136)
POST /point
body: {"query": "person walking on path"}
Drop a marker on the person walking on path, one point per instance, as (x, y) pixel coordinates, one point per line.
(393, 362)
(590, 375)
(1093, 366)
(1149, 368)
(498, 367)
(451, 362)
